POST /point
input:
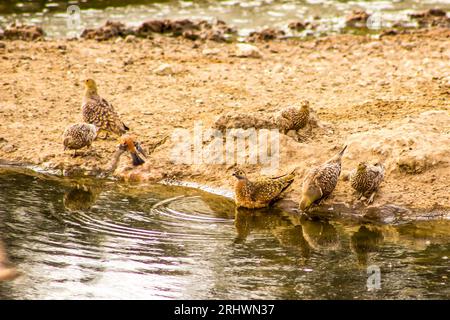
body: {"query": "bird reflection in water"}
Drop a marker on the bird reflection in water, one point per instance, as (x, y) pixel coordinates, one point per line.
(272, 220)
(81, 197)
(7, 270)
(364, 241)
(305, 234)
(320, 234)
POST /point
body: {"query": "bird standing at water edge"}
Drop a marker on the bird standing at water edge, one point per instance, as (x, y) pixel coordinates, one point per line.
(366, 179)
(100, 112)
(129, 143)
(79, 135)
(320, 181)
(259, 193)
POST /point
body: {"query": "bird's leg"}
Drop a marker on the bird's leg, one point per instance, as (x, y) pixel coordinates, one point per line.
(309, 127)
(91, 151)
(360, 195)
(74, 154)
(372, 196)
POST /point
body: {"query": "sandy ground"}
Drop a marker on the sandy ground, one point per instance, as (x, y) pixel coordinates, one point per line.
(387, 98)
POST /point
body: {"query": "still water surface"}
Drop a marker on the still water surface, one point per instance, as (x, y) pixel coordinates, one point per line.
(245, 15)
(82, 240)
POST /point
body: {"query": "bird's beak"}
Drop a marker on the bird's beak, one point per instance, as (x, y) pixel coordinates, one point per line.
(122, 147)
(304, 204)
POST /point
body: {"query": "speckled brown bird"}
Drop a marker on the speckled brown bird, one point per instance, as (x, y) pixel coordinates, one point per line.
(128, 143)
(259, 193)
(366, 179)
(79, 135)
(100, 112)
(294, 118)
(320, 181)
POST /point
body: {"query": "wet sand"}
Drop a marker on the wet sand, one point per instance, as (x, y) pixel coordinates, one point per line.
(387, 98)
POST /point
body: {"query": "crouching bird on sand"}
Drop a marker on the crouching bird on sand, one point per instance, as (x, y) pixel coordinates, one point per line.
(366, 179)
(100, 112)
(320, 181)
(294, 118)
(128, 143)
(261, 192)
(79, 135)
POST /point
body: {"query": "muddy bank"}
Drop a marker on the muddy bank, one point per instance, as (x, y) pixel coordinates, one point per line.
(387, 98)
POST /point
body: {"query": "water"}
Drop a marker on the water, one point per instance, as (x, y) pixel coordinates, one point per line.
(84, 239)
(245, 15)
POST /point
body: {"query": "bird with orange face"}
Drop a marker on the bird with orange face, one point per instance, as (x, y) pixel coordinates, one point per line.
(128, 143)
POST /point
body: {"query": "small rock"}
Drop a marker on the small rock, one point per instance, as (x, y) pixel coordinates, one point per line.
(357, 19)
(128, 62)
(211, 52)
(130, 38)
(436, 12)
(2, 45)
(9, 148)
(278, 68)
(244, 50)
(23, 32)
(297, 26)
(164, 70)
(266, 34)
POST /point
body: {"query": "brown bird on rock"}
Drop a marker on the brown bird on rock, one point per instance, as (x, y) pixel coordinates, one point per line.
(320, 181)
(79, 135)
(294, 118)
(366, 179)
(128, 143)
(100, 112)
(261, 192)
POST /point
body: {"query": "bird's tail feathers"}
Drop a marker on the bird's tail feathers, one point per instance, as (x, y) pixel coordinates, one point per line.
(338, 156)
(137, 161)
(341, 153)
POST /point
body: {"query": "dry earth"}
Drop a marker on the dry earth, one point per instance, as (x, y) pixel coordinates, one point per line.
(387, 98)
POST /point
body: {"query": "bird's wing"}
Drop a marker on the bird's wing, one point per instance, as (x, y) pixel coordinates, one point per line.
(326, 178)
(310, 183)
(286, 175)
(266, 189)
(376, 176)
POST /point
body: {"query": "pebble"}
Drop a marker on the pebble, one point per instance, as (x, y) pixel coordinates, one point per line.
(244, 50)
(9, 148)
(164, 69)
(2, 45)
(278, 68)
(130, 38)
(211, 52)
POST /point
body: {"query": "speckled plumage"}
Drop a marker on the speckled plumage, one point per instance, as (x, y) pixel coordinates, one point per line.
(294, 118)
(79, 135)
(100, 112)
(366, 179)
(320, 181)
(261, 192)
